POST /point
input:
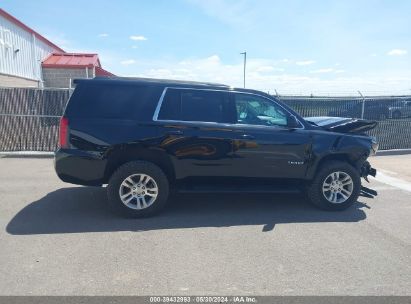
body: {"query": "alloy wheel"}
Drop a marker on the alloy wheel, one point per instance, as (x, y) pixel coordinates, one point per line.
(138, 191)
(338, 187)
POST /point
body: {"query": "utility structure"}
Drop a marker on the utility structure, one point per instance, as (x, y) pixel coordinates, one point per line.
(245, 64)
(28, 59)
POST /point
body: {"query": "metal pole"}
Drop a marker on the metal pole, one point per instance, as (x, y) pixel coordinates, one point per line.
(245, 63)
(277, 95)
(363, 105)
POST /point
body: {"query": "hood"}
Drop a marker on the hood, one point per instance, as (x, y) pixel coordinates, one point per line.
(343, 124)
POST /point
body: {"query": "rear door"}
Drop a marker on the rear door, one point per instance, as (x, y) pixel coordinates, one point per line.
(263, 144)
(195, 133)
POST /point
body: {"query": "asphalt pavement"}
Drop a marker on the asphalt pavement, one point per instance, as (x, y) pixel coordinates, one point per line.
(61, 239)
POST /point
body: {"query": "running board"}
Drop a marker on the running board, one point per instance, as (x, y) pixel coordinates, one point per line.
(239, 189)
(367, 192)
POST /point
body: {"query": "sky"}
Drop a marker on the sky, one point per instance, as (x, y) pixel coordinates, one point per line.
(293, 47)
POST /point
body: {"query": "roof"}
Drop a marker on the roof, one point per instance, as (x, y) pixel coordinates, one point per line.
(155, 81)
(166, 83)
(28, 29)
(171, 83)
(75, 61)
(71, 60)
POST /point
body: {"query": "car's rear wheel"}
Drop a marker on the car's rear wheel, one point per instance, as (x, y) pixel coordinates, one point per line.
(336, 186)
(138, 189)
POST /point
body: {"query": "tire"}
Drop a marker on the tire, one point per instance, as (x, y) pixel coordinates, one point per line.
(146, 200)
(323, 176)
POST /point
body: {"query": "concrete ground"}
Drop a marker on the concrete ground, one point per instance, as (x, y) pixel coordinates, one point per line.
(60, 239)
(394, 166)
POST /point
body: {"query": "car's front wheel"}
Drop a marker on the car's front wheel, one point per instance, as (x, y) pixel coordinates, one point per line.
(137, 189)
(336, 186)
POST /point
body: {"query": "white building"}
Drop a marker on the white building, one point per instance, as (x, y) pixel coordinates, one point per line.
(21, 53)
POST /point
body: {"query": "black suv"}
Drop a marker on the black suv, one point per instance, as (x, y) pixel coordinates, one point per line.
(147, 138)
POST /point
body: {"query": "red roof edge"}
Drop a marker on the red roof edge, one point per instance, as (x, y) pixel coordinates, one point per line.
(25, 27)
(102, 72)
(48, 62)
(52, 61)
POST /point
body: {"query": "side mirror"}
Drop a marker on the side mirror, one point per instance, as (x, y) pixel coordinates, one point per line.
(292, 122)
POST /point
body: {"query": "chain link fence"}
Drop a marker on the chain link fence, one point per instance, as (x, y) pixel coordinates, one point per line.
(392, 113)
(29, 117)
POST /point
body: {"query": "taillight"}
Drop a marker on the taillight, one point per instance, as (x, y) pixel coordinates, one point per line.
(63, 133)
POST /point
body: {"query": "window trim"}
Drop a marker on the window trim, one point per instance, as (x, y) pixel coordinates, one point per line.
(160, 103)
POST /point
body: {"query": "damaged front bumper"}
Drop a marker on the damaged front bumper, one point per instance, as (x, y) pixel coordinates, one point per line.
(367, 170)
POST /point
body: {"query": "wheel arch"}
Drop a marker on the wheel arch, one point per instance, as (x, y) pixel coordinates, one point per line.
(343, 157)
(121, 155)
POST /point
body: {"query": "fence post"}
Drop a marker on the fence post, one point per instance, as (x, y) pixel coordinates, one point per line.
(363, 105)
(277, 95)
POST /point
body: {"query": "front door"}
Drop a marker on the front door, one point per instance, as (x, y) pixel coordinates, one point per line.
(263, 144)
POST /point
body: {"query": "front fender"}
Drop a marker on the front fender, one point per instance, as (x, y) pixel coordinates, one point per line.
(350, 148)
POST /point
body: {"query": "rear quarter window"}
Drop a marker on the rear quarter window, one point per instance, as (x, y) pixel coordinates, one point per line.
(193, 105)
(111, 101)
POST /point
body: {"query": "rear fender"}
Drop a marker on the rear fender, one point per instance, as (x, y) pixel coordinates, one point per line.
(120, 155)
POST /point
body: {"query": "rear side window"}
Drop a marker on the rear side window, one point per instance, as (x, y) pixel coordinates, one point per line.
(193, 105)
(106, 101)
(171, 106)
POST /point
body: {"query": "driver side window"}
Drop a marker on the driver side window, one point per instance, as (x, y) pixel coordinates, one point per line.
(254, 110)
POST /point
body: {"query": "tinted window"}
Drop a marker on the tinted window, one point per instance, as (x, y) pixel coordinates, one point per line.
(171, 106)
(193, 105)
(255, 110)
(106, 101)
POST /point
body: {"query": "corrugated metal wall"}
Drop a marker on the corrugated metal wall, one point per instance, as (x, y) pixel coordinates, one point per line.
(27, 61)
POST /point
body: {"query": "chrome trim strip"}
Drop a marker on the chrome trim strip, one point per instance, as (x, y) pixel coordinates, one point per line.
(160, 102)
(223, 124)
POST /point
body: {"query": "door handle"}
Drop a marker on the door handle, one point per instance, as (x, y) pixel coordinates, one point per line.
(247, 136)
(175, 132)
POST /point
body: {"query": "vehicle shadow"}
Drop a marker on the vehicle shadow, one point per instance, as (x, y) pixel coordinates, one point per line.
(84, 209)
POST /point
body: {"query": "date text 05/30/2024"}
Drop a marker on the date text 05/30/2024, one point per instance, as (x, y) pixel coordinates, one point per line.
(203, 299)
